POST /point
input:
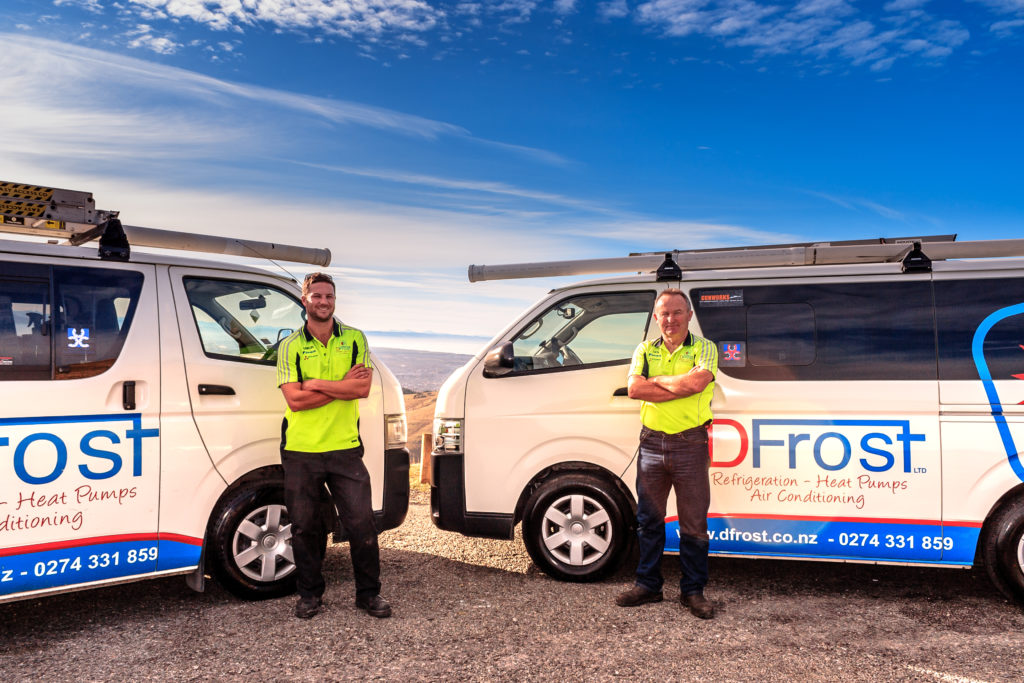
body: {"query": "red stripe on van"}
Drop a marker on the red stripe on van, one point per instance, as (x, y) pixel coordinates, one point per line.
(81, 542)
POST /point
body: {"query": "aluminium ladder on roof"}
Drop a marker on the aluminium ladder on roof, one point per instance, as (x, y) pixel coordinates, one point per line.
(72, 215)
(757, 257)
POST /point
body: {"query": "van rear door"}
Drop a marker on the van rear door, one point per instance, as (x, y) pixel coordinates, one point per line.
(79, 427)
(980, 331)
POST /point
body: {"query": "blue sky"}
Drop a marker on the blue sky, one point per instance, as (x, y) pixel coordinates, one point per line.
(415, 137)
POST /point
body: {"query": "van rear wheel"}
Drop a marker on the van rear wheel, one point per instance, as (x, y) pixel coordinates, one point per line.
(1003, 549)
(576, 527)
(251, 543)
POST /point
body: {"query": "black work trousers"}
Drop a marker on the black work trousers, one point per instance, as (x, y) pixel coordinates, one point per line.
(348, 482)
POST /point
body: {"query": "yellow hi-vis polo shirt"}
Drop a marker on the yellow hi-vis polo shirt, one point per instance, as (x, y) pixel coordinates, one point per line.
(652, 359)
(334, 426)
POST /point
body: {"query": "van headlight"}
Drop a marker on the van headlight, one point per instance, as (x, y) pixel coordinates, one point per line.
(447, 435)
(395, 433)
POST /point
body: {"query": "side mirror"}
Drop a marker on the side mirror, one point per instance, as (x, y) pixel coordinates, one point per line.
(499, 361)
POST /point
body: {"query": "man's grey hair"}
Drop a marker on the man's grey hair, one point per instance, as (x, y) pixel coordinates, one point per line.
(672, 291)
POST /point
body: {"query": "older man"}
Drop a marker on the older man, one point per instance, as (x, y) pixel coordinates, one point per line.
(674, 377)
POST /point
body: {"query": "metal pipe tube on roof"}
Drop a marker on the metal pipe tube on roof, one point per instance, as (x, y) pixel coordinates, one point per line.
(168, 239)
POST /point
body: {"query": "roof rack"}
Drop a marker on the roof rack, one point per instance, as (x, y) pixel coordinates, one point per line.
(72, 215)
(915, 253)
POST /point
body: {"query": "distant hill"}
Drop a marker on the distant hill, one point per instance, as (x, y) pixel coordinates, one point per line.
(420, 371)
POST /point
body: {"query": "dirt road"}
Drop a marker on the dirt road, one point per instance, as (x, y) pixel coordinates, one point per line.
(470, 609)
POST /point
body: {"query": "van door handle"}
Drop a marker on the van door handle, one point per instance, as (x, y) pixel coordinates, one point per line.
(128, 395)
(215, 390)
(621, 391)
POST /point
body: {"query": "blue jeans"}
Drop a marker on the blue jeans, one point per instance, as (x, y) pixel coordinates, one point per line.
(678, 461)
(345, 475)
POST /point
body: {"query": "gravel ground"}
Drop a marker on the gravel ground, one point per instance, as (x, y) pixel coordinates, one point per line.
(472, 609)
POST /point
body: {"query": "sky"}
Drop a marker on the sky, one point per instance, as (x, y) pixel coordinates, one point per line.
(414, 138)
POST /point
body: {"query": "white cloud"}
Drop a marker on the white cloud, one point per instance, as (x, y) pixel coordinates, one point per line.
(904, 5)
(613, 9)
(93, 6)
(142, 36)
(1005, 27)
(825, 29)
(343, 17)
(1004, 6)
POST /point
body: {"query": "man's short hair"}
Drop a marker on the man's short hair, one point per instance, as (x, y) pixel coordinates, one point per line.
(672, 291)
(314, 278)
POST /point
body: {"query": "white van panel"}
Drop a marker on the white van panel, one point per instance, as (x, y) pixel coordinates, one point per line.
(79, 478)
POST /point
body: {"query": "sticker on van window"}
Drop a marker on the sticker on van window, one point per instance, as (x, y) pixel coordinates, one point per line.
(719, 298)
(78, 340)
(6, 360)
(732, 354)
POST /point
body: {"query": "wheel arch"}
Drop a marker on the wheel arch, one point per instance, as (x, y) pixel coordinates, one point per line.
(572, 466)
(1014, 494)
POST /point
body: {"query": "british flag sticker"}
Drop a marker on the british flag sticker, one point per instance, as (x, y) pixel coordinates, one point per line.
(732, 354)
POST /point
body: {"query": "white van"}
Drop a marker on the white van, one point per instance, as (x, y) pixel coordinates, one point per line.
(140, 421)
(867, 408)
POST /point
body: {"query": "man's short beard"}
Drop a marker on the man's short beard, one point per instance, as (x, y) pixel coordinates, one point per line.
(315, 318)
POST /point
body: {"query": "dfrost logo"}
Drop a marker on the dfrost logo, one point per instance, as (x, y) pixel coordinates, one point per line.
(829, 445)
(97, 447)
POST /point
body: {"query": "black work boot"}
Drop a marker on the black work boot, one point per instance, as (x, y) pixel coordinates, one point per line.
(375, 606)
(307, 608)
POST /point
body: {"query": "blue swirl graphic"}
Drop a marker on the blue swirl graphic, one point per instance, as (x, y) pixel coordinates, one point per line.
(977, 346)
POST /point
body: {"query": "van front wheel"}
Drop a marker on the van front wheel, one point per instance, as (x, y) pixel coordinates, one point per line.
(576, 527)
(1004, 550)
(250, 543)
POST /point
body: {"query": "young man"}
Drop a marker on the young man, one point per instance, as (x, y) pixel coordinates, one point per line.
(674, 376)
(323, 370)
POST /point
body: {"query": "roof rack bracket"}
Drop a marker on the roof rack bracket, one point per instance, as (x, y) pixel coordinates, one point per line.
(916, 262)
(669, 269)
(113, 242)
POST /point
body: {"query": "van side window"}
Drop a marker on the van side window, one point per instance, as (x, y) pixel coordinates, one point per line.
(93, 310)
(827, 331)
(587, 330)
(80, 335)
(961, 306)
(24, 322)
(242, 321)
(780, 334)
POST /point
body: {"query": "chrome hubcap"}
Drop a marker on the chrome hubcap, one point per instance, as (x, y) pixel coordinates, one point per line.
(577, 530)
(262, 546)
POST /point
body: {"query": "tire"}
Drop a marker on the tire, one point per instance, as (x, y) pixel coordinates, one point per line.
(1003, 548)
(576, 527)
(250, 543)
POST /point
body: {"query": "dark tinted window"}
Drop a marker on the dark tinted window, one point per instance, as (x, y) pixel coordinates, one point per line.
(962, 307)
(780, 334)
(832, 331)
(79, 334)
(93, 310)
(24, 322)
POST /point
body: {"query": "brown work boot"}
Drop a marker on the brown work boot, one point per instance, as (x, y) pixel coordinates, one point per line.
(636, 596)
(698, 605)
